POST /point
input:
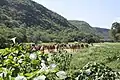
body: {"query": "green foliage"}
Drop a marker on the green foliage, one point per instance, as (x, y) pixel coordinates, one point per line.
(63, 60)
(107, 53)
(37, 35)
(115, 31)
(96, 71)
(19, 62)
(16, 13)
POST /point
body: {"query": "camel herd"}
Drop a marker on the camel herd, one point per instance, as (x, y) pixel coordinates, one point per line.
(52, 48)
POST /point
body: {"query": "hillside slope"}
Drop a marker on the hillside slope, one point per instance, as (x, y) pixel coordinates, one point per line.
(103, 32)
(85, 27)
(16, 13)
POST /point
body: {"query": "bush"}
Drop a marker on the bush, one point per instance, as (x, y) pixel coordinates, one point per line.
(97, 71)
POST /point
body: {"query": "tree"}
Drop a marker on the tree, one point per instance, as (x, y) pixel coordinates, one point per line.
(115, 31)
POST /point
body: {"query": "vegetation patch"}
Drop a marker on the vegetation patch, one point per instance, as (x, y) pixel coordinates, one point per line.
(20, 62)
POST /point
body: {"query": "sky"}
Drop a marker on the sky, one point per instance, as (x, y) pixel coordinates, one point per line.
(98, 13)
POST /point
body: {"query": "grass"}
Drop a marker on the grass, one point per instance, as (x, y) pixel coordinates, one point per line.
(107, 53)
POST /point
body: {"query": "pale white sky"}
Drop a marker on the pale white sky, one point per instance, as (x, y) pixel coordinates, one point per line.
(98, 13)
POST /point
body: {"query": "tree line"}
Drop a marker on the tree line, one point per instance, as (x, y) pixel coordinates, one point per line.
(37, 35)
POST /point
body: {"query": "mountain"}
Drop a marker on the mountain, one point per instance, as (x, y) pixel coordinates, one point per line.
(103, 32)
(16, 13)
(32, 22)
(84, 26)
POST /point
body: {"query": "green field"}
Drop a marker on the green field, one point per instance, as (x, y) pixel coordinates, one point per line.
(107, 53)
(103, 59)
